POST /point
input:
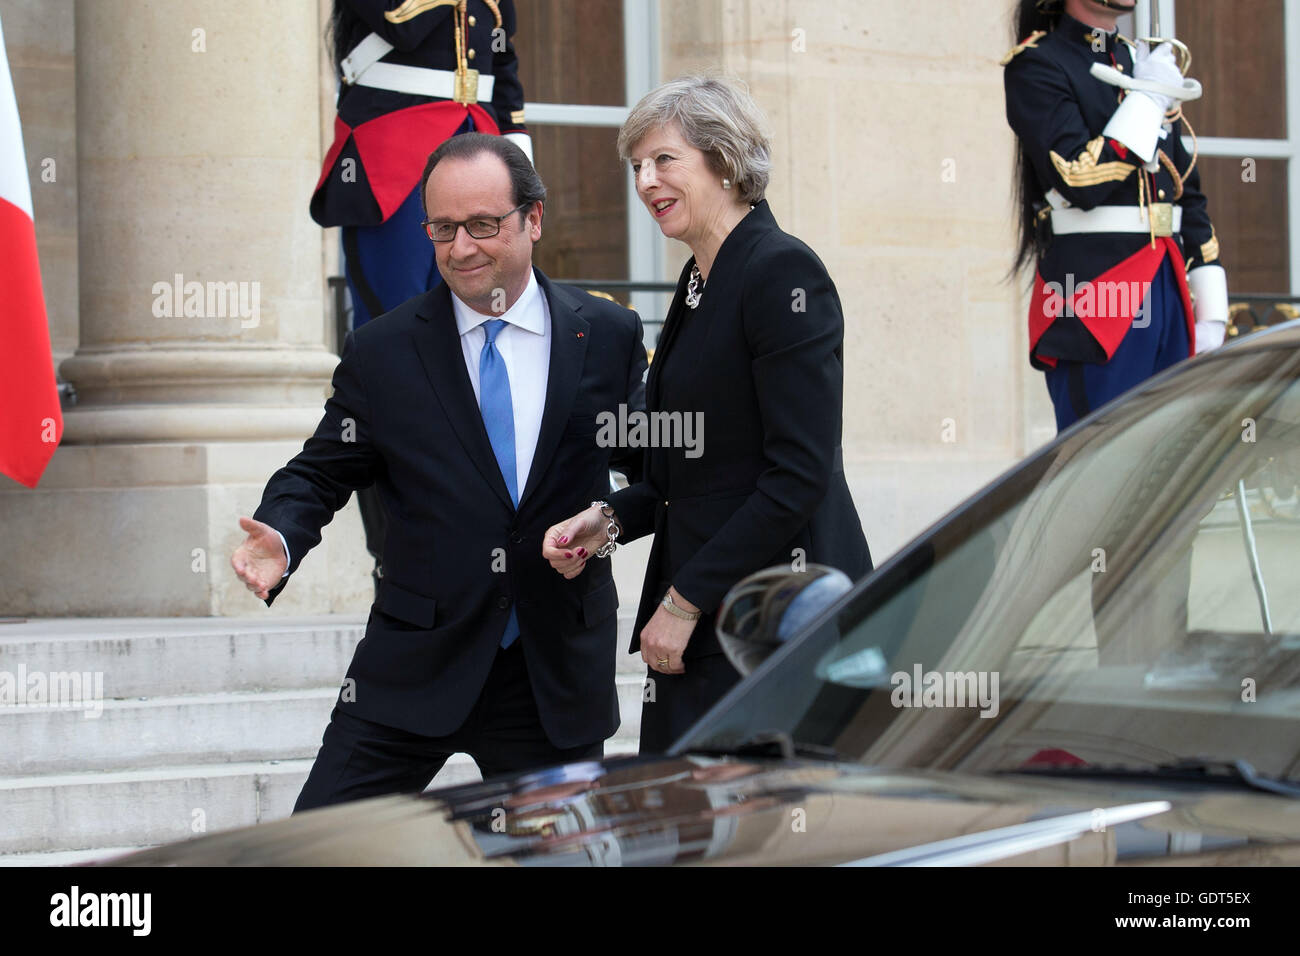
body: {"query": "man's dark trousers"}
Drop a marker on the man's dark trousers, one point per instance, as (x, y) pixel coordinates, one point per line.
(359, 758)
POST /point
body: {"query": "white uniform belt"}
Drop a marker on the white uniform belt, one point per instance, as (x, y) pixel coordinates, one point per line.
(1107, 219)
(369, 51)
(420, 81)
(361, 67)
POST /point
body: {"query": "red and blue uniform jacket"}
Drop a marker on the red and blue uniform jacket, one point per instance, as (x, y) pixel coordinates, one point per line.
(383, 138)
(1058, 111)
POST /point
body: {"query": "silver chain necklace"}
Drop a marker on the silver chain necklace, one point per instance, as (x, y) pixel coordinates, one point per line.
(693, 288)
(694, 285)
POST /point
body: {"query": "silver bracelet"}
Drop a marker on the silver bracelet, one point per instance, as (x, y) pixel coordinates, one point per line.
(611, 529)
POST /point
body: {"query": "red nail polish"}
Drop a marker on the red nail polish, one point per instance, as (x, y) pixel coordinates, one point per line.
(564, 540)
(582, 552)
(568, 554)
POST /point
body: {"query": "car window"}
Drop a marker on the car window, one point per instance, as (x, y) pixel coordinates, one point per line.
(1127, 597)
(1244, 558)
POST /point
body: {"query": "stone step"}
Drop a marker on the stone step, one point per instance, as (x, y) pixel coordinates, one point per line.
(152, 657)
(66, 857)
(55, 812)
(216, 715)
(103, 814)
(193, 729)
(158, 805)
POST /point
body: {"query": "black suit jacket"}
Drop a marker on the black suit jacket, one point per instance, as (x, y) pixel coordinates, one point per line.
(458, 555)
(761, 359)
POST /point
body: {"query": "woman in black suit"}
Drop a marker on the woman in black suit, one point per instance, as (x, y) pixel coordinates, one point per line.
(752, 351)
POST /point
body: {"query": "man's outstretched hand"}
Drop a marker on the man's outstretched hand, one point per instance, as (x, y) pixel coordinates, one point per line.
(260, 561)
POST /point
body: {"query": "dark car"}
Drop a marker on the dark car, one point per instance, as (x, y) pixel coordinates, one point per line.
(1094, 660)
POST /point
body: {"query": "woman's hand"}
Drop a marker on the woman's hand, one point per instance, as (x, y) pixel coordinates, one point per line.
(665, 636)
(569, 544)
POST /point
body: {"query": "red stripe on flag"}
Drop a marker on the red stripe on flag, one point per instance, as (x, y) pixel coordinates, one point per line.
(31, 423)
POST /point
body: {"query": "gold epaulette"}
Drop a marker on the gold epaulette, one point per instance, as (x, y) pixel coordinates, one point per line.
(1030, 43)
(413, 8)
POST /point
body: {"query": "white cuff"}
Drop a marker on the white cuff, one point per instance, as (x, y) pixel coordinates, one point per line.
(287, 560)
(1137, 124)
(523, 141)
(1209, 285)
(1209, 335)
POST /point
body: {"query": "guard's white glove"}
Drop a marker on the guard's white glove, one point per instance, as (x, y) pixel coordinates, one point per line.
(1209, 335)
(1158, 66)
(1139, 120)
(1209, 288)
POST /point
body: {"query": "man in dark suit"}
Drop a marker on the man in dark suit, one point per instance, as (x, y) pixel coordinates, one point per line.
(472, 408)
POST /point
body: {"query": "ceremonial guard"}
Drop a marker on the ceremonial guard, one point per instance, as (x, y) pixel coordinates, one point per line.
(1129, 278)
(412, 74)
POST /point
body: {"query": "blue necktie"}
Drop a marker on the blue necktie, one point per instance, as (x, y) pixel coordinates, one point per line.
(499, 420)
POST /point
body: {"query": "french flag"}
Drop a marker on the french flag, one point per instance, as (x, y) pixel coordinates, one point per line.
(31, 423)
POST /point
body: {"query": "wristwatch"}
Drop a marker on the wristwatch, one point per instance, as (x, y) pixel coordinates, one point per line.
(676, 611)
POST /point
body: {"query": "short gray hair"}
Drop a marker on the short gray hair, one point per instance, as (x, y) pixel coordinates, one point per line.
(718, 117)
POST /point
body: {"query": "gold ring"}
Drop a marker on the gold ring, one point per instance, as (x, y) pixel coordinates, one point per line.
(662, 660)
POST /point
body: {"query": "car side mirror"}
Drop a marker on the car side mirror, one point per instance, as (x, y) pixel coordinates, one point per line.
(770, 607)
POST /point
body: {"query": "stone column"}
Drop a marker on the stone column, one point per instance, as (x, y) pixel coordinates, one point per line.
(201, 365)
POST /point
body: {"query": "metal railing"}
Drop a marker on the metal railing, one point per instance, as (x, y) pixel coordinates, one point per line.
(1251, 311)
(621, 285)
(652, 325)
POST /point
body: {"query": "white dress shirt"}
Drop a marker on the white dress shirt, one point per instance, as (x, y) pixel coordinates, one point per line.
(525, 346)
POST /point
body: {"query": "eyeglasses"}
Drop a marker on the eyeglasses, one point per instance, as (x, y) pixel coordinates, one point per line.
(481, 227)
